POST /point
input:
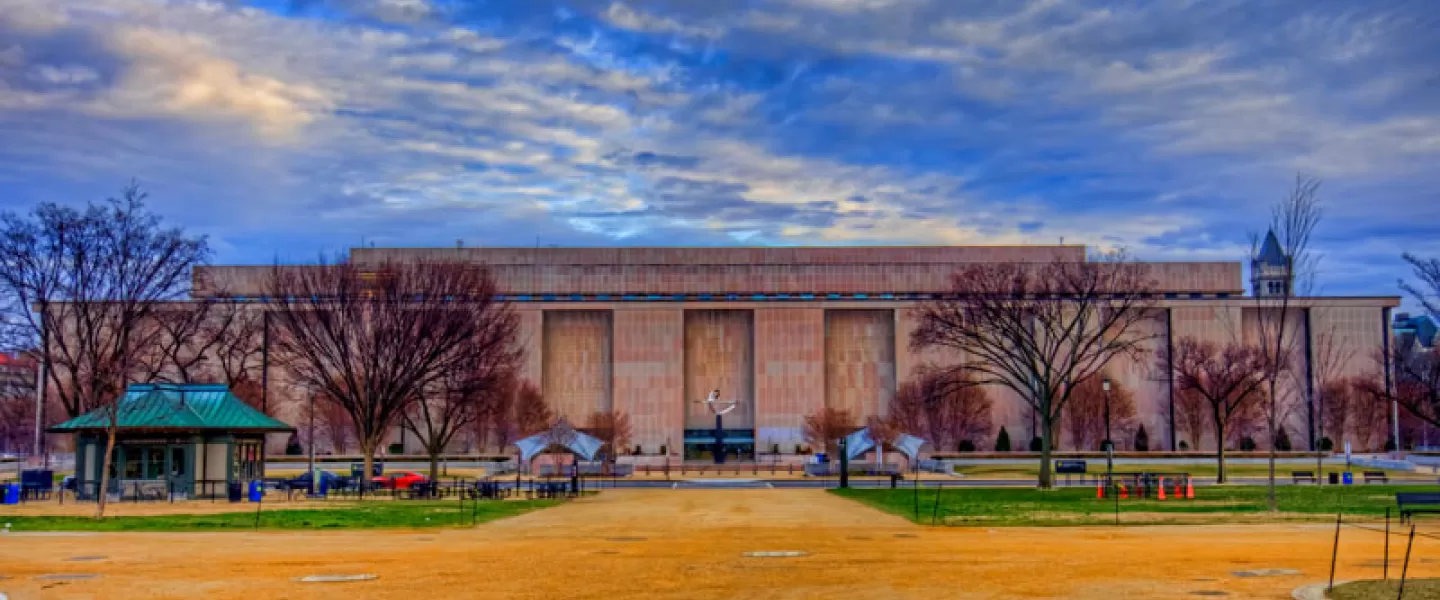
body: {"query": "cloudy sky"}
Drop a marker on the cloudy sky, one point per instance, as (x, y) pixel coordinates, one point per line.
(286, 128)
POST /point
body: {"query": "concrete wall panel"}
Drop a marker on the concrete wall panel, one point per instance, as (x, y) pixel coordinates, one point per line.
(649, 369)
(789, 372)
(860, 361)
(719, 354)
(577, 367)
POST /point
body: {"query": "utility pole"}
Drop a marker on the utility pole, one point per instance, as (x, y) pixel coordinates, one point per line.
(311, 443)
(1109, 444)
(40, 379)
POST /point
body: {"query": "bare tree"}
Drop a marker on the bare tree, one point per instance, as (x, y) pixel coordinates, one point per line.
(1340, 401)
(1292, 224)
(335, 425)
(943, 407)
(1427, 291)
(1040, 329)
(1370, 417)
(374, 339)
(238, 346)
(613, 428)
(531, 415)
(1229, 379)
(82, 287)
(496, 419)
(1417, 382)
(451, 405)
(1085, 416)
(1329, 354)
(826, 426)
(1191, 413)
(17, 420)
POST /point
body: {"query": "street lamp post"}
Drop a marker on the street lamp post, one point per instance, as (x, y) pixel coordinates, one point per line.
(311, 443)
(1109, 444)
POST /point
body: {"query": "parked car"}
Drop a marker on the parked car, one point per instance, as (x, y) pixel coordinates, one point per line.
(330, 481)
(399, 481)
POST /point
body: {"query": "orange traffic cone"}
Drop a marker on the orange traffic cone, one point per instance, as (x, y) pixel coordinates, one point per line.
(1099, 490)
(1162, 488)
(1123, 494)
(1189, 490)
(1179, 490)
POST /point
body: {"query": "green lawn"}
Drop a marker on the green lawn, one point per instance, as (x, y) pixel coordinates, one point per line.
(1199, 470)
(373, 514)
(1078, 506)
(1417, 589)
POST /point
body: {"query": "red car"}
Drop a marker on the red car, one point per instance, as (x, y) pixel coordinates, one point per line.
(399, 481)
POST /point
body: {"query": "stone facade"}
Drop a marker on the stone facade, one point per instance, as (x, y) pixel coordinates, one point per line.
(786, 331)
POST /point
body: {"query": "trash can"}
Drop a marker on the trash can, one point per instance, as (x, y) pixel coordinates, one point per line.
(1334, 479)
(257, 491)
(1349, 478)
(10, 493)
(234, 491)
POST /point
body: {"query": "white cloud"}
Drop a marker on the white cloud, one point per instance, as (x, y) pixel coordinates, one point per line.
(66, 75)
(623, 16)
(179, 74)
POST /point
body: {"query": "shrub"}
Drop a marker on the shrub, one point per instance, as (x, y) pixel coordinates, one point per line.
(1002, 441)
(396, 449)
(292, 446)
(1390, 444)
(1142, 440)
(1036, 444)
(664, 451)
(638, 450)
(1247, 444)
(1326, 444)
(1282, 440)
(1184, 445)
(966, 446)
(775, 449)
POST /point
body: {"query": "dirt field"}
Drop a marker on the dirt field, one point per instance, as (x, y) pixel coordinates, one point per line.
(691, 544)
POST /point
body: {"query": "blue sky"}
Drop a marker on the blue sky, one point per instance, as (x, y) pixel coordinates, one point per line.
(287, 128)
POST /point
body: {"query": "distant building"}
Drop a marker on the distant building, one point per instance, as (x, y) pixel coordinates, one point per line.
(785, 332)
(17, 375)
(1419, 330)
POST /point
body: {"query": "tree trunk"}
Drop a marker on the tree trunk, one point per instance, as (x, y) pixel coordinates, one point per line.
(1047, 432)
(367, 449)
(1219, 447)
(102, 491)
(434, 466)
(1270, 494)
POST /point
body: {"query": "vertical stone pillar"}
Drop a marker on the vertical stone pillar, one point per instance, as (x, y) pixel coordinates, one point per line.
(649, 363)
(789, 373)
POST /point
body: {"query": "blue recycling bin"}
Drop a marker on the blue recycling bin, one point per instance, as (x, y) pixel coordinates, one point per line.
(257, 491)
(1348, 478)
(10, 493)
(322, 486)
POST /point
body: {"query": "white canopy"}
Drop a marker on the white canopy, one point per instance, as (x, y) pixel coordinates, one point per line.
(560, 434)
(860, 442)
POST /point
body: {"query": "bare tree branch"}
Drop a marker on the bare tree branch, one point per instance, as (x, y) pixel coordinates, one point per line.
(1040, 329)
(374, 340)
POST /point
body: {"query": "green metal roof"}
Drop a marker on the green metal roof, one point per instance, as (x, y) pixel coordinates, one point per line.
(182, 407)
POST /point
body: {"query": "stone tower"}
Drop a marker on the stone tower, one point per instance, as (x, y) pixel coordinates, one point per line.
(1270, 269)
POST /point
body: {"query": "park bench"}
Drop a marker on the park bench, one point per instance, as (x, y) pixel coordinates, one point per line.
(1299, 476)
(1374, 476)
(1412, 503)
